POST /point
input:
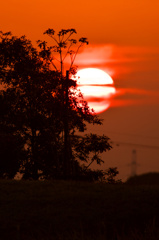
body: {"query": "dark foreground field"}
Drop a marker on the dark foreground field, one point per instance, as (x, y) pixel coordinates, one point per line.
(61, 210)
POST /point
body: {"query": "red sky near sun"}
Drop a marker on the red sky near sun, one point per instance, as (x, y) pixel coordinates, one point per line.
(124, 42)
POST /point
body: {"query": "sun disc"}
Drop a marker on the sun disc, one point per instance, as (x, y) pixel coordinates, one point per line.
(93, 76)
(97, 88)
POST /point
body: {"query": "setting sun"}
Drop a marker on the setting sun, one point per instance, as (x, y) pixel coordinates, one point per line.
(79, 126)
(97, 88)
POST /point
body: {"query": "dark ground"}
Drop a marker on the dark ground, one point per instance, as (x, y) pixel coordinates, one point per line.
(73, 210)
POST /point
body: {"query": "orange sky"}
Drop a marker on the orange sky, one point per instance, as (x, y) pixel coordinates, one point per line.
(124, 41)
(116, 21)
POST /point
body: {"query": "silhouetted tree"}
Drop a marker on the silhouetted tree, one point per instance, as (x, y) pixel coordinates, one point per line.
(45, 109)
(76, 112)
(27, 92)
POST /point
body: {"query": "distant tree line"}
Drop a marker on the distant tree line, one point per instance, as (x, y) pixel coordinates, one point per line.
(43, 114)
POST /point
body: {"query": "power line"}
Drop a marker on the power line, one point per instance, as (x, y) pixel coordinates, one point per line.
(132, 135)
(118, 143)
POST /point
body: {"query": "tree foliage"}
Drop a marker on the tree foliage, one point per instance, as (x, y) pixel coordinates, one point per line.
(43, 109)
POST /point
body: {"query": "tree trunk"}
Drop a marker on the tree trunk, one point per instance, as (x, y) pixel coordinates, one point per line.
(67, 157)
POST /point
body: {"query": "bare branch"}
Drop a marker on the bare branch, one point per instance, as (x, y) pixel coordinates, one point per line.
(53, 65)
(68, 51)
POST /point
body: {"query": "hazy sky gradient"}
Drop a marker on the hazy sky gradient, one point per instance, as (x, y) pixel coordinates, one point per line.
(124, 41)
